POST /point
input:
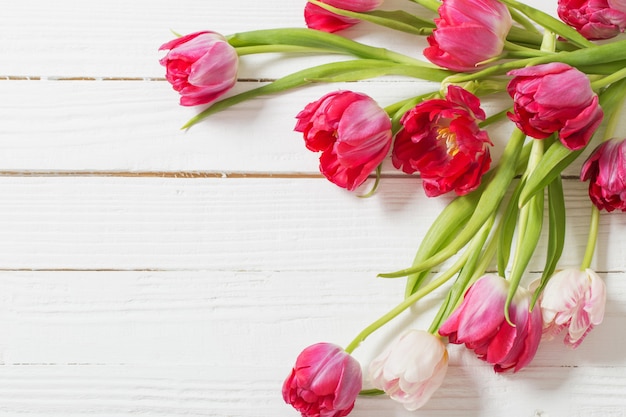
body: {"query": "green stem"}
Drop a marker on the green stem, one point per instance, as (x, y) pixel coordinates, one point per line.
(609, 79)
(550, 23)
(601, 54)
(311, 38)
(264, 49)
(428, 4)
(593, 238)
(487, 204)
(408, 302)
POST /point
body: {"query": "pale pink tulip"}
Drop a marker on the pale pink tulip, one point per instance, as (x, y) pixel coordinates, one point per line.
(573, 300)
(411, 369)
(618, 5)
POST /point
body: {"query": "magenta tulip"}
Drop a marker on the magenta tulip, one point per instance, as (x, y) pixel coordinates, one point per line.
(606, 171)
(553, 98)
(480, 324)
(594, 19)
(324, 382)
(468, 33)
(201, 67)
(319, 18)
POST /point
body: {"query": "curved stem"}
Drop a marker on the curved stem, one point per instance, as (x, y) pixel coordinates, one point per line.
(593, 238)
(407, 302)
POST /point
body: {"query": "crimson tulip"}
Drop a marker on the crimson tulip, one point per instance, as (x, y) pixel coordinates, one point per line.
(352, 132)
(441, 140)
(594, 19)
(606, 171)
(319, 18)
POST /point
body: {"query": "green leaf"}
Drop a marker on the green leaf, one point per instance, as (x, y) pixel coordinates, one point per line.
(555, 160)
(507, 230)
(335, 71)
(529, 232)
(488, 203)
(310, 38)
(556, 233)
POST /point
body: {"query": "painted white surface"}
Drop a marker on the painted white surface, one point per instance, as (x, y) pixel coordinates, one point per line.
(149, 271)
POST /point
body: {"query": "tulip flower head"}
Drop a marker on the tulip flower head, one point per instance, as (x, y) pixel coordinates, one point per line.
(468, 33)
(480, 324)
(324, 382)
(352, 132)
(575, 300)
(201, 67)
(618, 5)
(411, 369)
(441, 140)
(319, 18)
(553, 98)
(594, 19)
(606, 171)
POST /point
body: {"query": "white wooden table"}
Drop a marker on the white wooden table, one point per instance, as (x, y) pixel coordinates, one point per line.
(149, 271)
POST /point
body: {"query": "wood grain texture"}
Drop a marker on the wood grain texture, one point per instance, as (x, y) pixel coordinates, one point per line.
(146, 270)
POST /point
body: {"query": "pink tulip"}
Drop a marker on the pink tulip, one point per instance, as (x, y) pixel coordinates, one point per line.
(618, 5)
(480, 324)
(594, 19)
(573, 299)
(468, 33)
(441, 140)
(324, 382)
(352, 132)
(201, 67)
(606, 171)
(319, 18)
(553, 98)
(411, 369)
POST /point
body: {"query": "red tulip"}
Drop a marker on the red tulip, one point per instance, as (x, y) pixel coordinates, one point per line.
(606, 171)
(553, 98)
(319, 18)
(324, 382)
(352, 132)
(441, 140)
(201, 67)
(480, 324)
(468, 33)
(594, 19)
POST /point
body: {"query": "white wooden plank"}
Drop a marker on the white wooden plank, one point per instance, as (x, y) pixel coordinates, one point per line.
(233, 318)
(238, 223)
(194, 390)
(120, 39)
(135, 126)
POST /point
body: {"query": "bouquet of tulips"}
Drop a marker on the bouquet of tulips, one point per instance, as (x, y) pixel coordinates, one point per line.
(566, 79)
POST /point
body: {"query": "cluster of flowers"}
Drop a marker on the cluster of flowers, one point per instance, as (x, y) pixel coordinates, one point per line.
(563, 87)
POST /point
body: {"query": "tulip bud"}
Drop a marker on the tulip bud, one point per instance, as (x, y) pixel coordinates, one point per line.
(201, 67)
